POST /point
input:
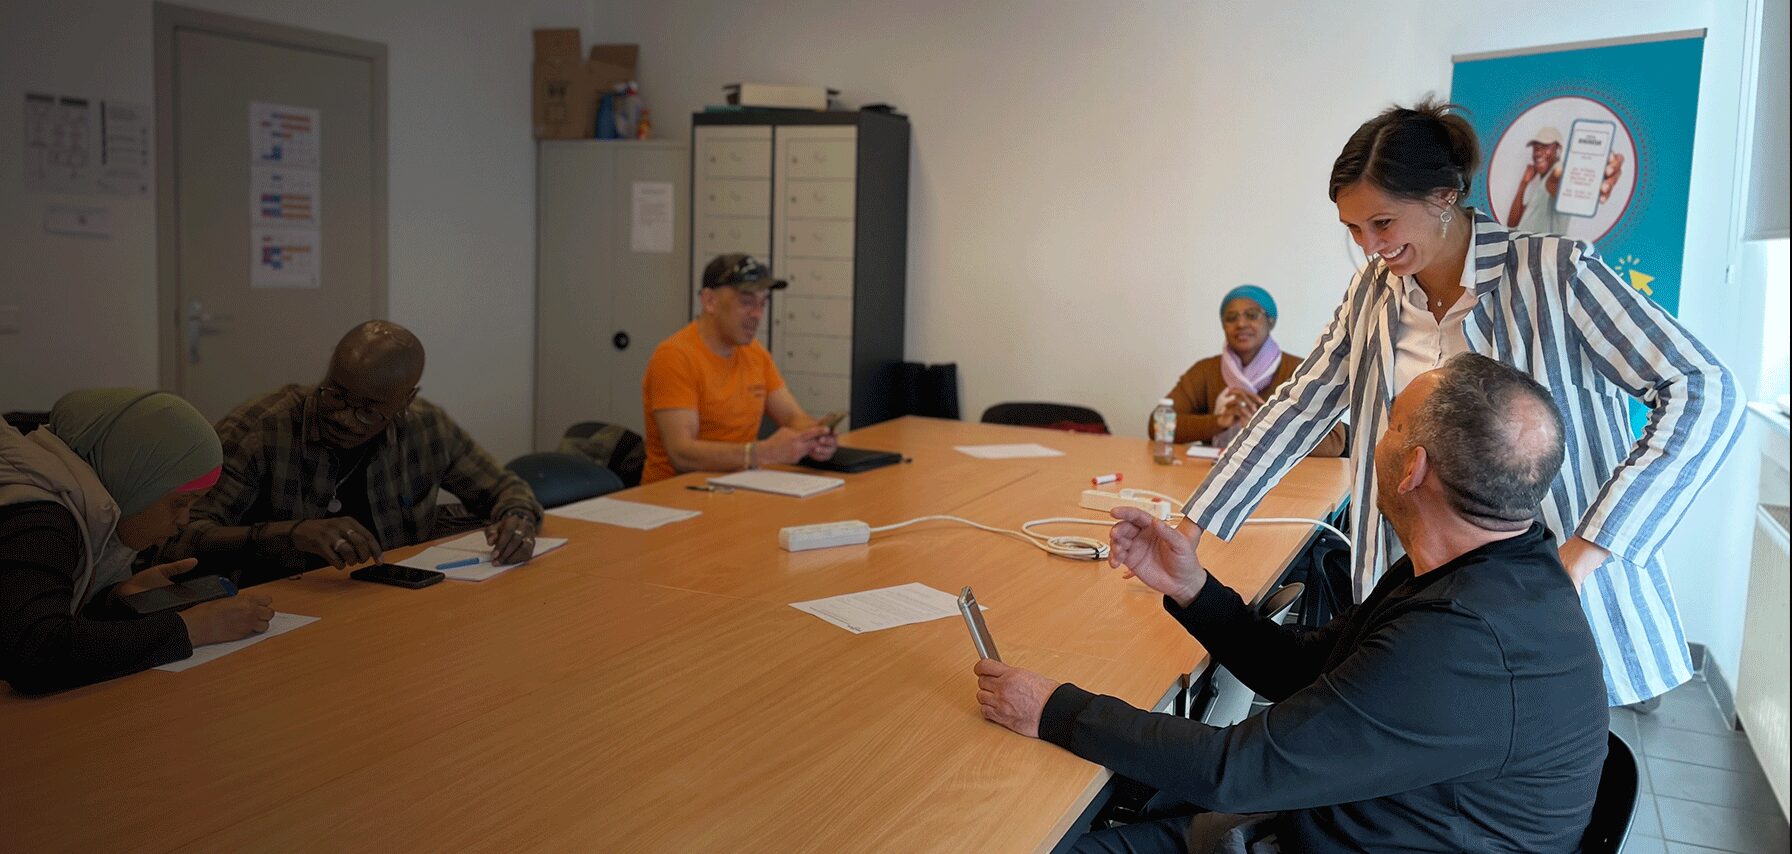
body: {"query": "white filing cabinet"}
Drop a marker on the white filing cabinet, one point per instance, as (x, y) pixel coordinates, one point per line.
(823, 199)
(601, 305)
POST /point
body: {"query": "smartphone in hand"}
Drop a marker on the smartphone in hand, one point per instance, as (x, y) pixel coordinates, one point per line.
(973, 620)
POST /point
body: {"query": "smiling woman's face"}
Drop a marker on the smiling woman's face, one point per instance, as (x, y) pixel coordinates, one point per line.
(1403, 232)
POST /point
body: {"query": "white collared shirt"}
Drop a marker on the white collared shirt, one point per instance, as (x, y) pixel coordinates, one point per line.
(1421, 341)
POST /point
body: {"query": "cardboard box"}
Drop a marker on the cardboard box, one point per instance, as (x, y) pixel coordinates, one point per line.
(551, 45)
(567, 89)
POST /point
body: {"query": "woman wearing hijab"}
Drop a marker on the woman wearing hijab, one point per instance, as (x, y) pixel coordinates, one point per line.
(113, 472)
(1218, 394)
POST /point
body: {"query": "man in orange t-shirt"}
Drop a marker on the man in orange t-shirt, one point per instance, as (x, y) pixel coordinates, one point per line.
(709, 386)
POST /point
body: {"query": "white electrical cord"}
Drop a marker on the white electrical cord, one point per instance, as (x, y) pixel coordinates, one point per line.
(1083, 548)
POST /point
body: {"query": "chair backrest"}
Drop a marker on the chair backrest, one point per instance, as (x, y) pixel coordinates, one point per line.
(1615, 804)
(559, 478)
(1276, 605)
(1063, 415)
(612, 446)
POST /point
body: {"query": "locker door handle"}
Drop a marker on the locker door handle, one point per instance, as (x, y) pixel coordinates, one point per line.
(620, 340)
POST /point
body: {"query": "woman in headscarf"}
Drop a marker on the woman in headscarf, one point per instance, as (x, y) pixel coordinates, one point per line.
(1218, 394)
(112, 473)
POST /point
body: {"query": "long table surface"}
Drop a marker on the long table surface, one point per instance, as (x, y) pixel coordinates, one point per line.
(653, 690)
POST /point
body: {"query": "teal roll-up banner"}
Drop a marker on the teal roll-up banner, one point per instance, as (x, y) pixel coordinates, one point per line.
(1592, 141)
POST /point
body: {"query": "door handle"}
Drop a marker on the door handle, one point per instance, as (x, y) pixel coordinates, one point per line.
(199, 325)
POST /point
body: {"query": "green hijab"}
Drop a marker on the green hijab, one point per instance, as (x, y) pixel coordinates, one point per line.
(141, 444)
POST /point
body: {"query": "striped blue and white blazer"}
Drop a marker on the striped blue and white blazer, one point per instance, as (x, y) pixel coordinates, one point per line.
(1548, 306)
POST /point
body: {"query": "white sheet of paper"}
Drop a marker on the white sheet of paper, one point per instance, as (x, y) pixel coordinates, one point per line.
(1008, 452)
(779, 482)
(124, 149)
(282, 196)
(624, 514)
(285, 257)
(651, 220)
(884, 608)
(281, 624)
(1205, 452)
(472, 546)
(283, 135)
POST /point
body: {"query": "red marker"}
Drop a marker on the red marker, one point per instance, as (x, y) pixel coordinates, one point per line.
(1100, 479)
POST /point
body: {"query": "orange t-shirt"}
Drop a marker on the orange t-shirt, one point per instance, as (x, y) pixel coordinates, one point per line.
(728, 393)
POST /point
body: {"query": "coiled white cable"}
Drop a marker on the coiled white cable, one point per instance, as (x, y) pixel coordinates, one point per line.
(1083, 548)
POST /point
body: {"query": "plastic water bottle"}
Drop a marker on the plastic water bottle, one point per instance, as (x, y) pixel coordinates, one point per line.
(1163, 432)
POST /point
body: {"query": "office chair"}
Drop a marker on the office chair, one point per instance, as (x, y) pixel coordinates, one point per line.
(612, 446)
(1059, 416)
(1227, 700)
(1614, 806)
(559, 478)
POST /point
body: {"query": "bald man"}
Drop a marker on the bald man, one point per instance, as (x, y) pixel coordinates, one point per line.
(1460, 707)
(334, 474)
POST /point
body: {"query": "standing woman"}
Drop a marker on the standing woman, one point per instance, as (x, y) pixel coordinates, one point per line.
(114, 472)
(1443, 279)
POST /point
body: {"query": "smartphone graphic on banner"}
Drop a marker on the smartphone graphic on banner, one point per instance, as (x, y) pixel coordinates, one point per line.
(1583, 166)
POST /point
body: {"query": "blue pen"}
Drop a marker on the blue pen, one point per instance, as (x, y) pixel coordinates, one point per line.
(457, 564)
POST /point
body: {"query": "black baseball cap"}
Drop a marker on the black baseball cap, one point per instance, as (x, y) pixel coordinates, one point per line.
(742, 272)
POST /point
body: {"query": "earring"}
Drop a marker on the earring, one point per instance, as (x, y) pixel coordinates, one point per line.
(1443, 223)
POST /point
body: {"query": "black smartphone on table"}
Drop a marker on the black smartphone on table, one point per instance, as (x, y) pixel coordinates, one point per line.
(397, 576)
(180, 595)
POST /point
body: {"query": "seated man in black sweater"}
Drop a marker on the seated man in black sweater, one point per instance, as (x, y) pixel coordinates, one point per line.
(1459, 708)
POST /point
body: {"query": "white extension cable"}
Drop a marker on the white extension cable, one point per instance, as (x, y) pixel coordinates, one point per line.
(1084, 548)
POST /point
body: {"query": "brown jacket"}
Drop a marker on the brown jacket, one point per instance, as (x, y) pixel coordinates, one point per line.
(1199, 389)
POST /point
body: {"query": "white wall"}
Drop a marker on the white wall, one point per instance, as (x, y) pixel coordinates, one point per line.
(1089, 178)
(461, 193)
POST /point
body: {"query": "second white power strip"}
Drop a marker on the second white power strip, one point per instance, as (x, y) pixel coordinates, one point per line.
(801, 538)
(1095, 499)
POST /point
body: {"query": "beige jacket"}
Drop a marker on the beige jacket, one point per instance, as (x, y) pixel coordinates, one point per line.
(40, 467)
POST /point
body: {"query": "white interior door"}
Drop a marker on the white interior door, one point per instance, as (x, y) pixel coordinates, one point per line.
(278, 204)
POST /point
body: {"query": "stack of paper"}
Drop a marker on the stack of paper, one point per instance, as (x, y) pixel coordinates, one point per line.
(472, 547)
(1008, 452)
(779, 482)
(883, 608)
(624, 514)
(1205, 452)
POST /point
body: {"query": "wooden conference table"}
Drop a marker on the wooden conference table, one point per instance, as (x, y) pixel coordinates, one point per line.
(652, 690)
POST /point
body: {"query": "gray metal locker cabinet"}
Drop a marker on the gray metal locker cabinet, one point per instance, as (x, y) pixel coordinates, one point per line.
(822, 198)
(601, 307)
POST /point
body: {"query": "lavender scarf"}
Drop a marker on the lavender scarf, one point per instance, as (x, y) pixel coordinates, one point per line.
(1256, 376)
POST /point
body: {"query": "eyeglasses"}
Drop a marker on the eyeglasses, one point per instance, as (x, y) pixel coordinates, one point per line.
(1250, 314)
(366, 412)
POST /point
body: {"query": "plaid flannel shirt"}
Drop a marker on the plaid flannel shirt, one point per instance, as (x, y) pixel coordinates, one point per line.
(276, 469)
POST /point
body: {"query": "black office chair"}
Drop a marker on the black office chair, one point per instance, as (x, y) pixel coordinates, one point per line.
(612, 446)
(1614, 806)
(1061, 416)
(564, 478)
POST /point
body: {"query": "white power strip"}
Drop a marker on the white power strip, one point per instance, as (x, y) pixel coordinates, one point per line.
(1095, 499)
(802, 538)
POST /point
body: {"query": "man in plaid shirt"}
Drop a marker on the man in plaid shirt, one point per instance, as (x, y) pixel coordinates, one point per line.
(335, 473)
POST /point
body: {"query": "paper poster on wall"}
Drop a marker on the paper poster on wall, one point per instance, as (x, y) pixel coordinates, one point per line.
(651, 217)
(61, 148)
(281, 196)
(281, 135)
(285, 257)
(124, 149)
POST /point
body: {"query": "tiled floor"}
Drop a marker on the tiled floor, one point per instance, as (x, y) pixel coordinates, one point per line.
(1701, 787)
